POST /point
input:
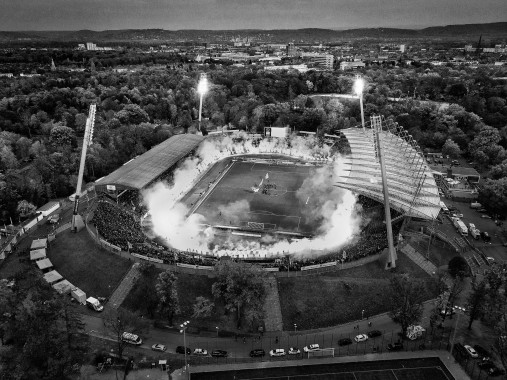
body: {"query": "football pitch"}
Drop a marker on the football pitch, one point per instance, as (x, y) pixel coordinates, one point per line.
(405, 369)
(259, 195)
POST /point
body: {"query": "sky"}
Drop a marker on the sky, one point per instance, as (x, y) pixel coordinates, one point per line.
(243, 14)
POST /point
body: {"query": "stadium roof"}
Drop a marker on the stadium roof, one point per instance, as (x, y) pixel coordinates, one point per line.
(412, 188)
(144, 169)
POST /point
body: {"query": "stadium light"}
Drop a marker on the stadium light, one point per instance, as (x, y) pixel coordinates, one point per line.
(358, 89)
(202, 88)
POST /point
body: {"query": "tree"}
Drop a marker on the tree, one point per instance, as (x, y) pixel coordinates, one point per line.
(476, 301)
(405, 301)
(493, 194)
(62, 136)
(239, 286)
(25, 209)
(458, 266)
(451, 149)
(119, 321)
(203, 308)
(168, 295)
(132, 114)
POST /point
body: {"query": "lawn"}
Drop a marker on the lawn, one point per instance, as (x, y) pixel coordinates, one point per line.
(84, 264)
(233, 202)
(322, 300)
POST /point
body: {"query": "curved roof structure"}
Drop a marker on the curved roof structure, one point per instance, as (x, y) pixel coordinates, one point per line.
(141, 171)
(412, 188)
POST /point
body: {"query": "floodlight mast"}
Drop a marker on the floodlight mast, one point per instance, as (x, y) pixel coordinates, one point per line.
(90, 121)
(358, 89)
(202, 88)
(376, 125)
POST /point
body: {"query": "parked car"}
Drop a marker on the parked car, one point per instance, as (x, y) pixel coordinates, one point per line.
(374, 333)
(485, 236)
(485, 216)
(482, 210)
(395, 347)
(495, 371)
(486, 364)
(277, 352)
(361, 338)
(181, 350)
(344, 342)
(311, 347)
(482, 351)
(258, 352)
(471, 351)
(294, 351)
(219, 353)
(200, 352)
(158, 347)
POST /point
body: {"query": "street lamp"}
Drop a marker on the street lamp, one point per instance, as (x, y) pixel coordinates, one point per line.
(202, 88)
(358, 89)
(362, 314)
(183, 330)
(217, 331)
(295, 327)
(460, 310)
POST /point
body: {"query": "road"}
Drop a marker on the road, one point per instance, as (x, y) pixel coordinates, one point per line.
(238, 349)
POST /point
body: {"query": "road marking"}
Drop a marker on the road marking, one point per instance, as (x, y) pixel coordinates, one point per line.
(307, 200)
(396, 377)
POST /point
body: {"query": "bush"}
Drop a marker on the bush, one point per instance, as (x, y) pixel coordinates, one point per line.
(458, 267)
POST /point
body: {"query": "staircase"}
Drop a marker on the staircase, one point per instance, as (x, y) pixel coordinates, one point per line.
(272, 309)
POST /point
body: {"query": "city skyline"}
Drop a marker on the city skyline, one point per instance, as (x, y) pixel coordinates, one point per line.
(26, 15)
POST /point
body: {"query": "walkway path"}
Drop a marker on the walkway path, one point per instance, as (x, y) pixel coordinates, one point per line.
(419, 259)
(272, 308)
(124, 288)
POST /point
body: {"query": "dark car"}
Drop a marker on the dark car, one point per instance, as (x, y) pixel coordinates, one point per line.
(483, 353)
(219, 353)
(485, 236)
(258, 352)
(395, 347)
(486, 364)
(374, 333)
(495, 371)
(344, 342)
(181, 350)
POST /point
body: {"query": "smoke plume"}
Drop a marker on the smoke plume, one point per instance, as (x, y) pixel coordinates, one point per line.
(333, 209)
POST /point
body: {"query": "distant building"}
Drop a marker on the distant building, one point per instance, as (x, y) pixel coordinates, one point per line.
(81, 47)
(300, 68)
(291, 50)
(351, 65)
(402, 48)
(469, 48)
(91, 46)
(321, 60)
(6, 75)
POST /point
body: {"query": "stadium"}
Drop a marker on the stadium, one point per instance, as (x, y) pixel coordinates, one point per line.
(288, 199)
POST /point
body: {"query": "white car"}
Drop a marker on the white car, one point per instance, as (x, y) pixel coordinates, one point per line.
(277, 352)
(361, 338)
(158, 347)
(200, 351)
(311, 347)
(485, 216)
(294, 351)
(471, 351)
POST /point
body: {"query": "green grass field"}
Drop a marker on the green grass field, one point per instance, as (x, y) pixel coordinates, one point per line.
(280, 208)
(93, 269)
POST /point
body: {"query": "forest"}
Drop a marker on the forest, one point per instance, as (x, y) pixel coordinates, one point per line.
(458, 109)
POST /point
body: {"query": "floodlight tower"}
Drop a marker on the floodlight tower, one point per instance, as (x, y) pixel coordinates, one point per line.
(376, 125)
(358, 89)
(202, 88)
(77, 220)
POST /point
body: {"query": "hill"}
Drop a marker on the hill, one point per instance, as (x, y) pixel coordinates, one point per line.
(498, 29)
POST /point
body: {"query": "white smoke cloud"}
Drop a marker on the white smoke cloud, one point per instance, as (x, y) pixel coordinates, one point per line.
(330, 206)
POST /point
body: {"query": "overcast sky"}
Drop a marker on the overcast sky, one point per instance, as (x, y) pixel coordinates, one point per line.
(243, 14)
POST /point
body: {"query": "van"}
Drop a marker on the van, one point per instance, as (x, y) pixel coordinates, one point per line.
(475, 205)
(131, 339)
(94, 304)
